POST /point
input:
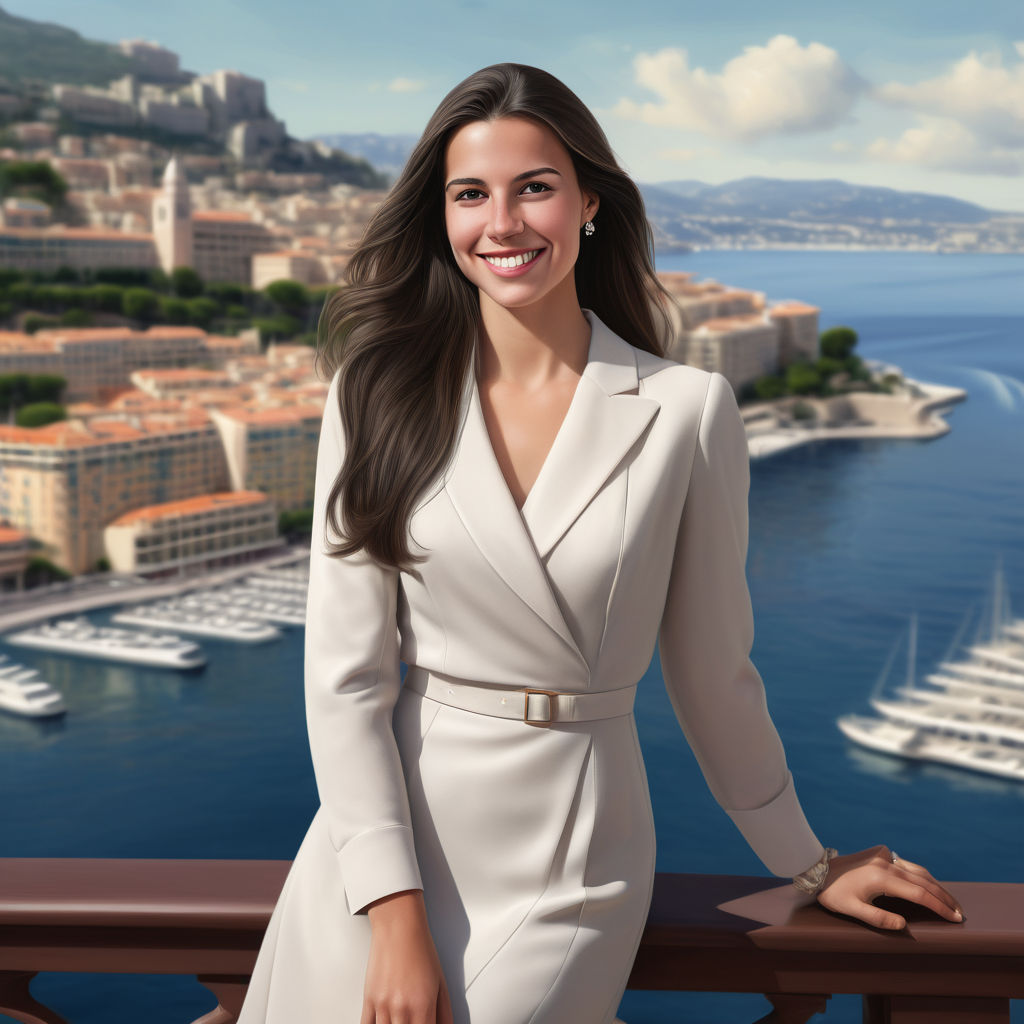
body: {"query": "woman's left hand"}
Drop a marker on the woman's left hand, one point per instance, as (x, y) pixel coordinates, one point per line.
(855, 879)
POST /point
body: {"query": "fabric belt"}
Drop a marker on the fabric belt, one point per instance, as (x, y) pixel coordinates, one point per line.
(531, 705)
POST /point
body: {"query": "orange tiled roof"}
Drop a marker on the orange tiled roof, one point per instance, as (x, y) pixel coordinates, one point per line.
(14, 341)
(274, 414)
(169, 331)
(72, 434)
(732, 323)
(11, 535)
(190, 506)
(792, 308)
(73, 334)
(82, 233)
(170, 374)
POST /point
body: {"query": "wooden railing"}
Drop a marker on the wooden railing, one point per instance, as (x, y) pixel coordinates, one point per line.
(721, 933)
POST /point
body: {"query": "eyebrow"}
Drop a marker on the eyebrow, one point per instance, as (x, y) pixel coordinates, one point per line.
(518, 177)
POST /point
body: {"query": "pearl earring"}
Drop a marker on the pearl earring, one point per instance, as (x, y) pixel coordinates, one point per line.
(589, 228)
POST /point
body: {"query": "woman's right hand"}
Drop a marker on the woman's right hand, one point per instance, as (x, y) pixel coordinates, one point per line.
(404, 980)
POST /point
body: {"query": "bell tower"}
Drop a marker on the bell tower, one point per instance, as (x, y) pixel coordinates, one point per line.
(172, 219)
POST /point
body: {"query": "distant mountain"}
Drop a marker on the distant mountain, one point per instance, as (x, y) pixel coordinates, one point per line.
(40, 51)
(387, 153)
(760, 213)
(824, 200)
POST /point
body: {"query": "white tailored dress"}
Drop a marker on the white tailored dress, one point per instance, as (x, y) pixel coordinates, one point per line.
(533, 843)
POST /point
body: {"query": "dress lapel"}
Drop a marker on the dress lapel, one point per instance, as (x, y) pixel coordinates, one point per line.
(603, 422)
(600, 427)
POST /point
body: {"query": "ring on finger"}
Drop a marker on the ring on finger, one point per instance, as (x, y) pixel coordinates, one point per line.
(893, 856)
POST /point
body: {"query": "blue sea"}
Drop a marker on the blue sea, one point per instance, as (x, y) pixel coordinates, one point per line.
(847, 540)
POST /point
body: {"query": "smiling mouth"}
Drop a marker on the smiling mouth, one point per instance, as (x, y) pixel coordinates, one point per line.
(508, 262)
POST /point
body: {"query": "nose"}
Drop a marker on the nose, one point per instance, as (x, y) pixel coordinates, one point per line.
(505, 219)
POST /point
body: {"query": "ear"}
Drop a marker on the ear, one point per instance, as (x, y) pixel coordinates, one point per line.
(590, 205)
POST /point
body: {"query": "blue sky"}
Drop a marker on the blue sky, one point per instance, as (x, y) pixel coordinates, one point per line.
(913, 94)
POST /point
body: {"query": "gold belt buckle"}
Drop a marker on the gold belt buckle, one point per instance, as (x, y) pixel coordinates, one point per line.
(552, 696)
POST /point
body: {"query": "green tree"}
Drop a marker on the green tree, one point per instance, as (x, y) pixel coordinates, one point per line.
(33, 179)
(34, 322)
(201, 311)
(76, 317)
(802, 379)
(20, 293)
(827, 366)
(237, 312)
(289, 296)
(124, 276)
(838, 342)
(109, 298)
(186, 283)
(38, 414)
(278, 328)
(45, 387)
(226, 291)
(173, 310)
(769, 387)
(295, 523)
(41, 571)
(140, 303)
(14, 390)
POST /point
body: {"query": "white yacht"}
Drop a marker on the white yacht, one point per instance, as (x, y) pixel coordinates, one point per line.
(188, 615)
(969, 714)
(22, 692)
(81, 637)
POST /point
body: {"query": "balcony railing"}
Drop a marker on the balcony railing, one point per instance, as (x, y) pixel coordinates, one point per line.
(721, 933)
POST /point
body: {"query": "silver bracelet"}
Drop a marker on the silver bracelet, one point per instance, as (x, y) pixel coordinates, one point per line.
(812, 880)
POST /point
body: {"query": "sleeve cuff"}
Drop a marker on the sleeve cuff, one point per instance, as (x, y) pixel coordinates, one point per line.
(779, 834)
(377, 863)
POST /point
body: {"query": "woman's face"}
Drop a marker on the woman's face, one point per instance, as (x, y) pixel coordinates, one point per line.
(513, 211)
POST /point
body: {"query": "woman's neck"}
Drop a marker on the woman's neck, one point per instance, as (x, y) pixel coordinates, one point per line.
(531, 346)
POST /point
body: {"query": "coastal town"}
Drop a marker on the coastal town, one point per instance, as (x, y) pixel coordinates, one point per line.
(189, 439)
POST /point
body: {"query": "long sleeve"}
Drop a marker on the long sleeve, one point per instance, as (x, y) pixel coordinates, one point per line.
(351, 684)
(704, 641)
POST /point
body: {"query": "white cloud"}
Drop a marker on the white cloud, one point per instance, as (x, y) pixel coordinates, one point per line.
(779, 88)
(946, 144)
(406, 85)
(979, 91)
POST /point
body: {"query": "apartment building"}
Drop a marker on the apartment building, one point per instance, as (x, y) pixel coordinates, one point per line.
(207, 530)
(741, 348)
(97, 362)
(47, 249)
(798, 330)
(272, 450)
(63, 483)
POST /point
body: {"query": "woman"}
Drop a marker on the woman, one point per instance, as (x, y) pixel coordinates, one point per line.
(531, 498)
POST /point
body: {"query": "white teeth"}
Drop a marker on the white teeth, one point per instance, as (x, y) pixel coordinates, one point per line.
(507, 262)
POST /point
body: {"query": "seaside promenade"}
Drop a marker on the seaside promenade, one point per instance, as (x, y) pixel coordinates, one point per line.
(85, 593)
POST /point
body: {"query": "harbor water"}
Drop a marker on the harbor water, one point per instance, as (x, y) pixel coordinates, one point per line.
(847, 540)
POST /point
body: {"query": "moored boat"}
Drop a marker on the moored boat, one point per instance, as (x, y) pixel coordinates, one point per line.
(78, 636)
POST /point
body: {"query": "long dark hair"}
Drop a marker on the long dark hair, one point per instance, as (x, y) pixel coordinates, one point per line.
(404, 326)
